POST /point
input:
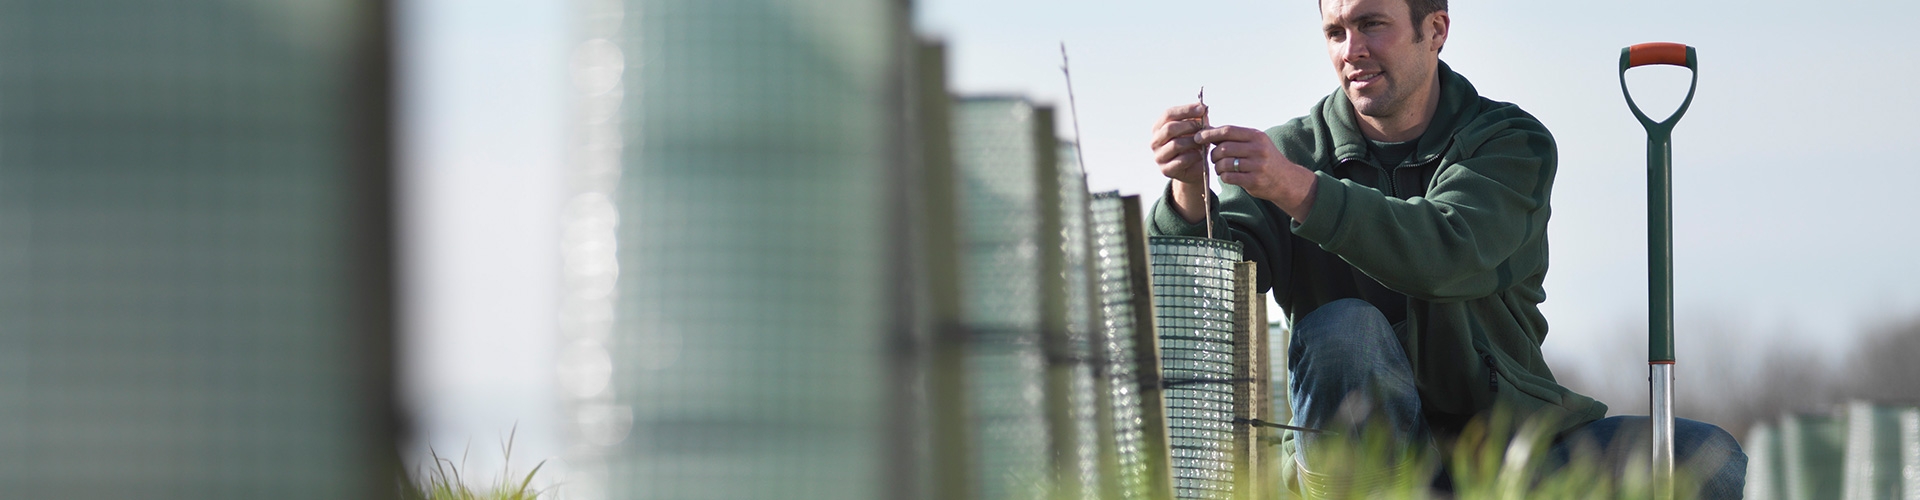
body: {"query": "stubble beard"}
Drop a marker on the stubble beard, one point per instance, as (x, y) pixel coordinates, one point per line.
(1386, 104)
(1390, 99)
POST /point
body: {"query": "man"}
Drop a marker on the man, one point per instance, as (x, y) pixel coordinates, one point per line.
(1402, 225)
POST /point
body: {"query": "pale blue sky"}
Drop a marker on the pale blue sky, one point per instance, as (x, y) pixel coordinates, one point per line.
(483, 115)
(1791, 183)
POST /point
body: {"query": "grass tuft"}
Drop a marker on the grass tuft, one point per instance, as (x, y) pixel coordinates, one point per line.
(443, 481)
(1494, 458)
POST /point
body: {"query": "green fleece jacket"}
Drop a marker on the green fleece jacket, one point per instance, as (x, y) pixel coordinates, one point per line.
(1453, 241)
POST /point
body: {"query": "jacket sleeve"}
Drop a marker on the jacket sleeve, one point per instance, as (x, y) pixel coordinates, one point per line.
(1259, 226)
(1452, 244)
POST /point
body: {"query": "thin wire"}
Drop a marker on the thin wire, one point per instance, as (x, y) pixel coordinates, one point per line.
(1281, 425)
(1178, 382)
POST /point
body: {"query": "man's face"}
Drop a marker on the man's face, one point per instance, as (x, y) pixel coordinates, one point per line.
(1380, 65)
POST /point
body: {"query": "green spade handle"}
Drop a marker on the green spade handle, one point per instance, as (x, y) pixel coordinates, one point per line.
(1659, 190)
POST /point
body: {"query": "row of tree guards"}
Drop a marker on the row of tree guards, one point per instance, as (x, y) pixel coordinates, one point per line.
(888, 292)
(1859, 451)
(1148, 392)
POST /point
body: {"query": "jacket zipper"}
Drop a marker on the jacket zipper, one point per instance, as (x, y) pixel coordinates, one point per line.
(1387, 175)
(1493, 373)
(1391, 174)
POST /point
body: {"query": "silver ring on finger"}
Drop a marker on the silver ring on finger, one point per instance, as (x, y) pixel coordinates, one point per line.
(1236, 166)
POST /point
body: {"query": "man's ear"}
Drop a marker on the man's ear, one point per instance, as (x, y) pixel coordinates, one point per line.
(1437, 24)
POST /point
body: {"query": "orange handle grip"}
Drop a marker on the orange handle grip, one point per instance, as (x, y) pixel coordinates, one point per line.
(1657, 53)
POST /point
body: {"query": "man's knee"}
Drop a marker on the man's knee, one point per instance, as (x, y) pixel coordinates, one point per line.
(1707, 445)
(1341, 326)
(1347, 346)
(1712, 456)
(1704, 436)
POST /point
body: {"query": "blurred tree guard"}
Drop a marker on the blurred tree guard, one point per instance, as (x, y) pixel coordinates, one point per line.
(196, 275)
(1002, 162)
(1138, 409)
(950, 435)
(1863, 450)
(1066, 303)
(741, 298)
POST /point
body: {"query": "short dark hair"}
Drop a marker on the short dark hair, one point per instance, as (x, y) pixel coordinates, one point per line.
(1419, 10)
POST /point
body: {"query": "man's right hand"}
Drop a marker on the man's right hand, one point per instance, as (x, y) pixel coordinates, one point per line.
(1181, 159)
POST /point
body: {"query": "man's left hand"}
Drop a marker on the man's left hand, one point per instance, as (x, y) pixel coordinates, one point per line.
(1247, 158)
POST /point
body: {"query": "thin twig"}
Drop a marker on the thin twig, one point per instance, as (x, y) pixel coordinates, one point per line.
(1206, 177)
(1079, 151)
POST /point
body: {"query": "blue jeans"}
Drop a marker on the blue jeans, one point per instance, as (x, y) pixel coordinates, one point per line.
(1346, 348)
(1702, 452)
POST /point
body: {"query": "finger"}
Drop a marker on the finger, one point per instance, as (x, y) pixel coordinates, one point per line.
(1229, 133)
(1189, 161)
(1173, 149)
(1183, 165)
(1241, 179)
(1184, 112)
(1227, 150)
(1171, 130)
(1225, 166)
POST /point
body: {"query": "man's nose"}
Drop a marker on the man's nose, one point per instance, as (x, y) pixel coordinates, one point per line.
(1354, 48)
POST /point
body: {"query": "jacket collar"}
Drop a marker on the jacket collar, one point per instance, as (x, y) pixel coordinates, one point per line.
(1455, 95)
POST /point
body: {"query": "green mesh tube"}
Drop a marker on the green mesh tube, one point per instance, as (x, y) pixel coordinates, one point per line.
(996, 156)
(1116, 333)
(1909, 446)
(195, 285)
(1193, 298)
(1812, 449)
(1084, 399)
(1279, 340)
(1764, 477)
(1873, 462)
(748, 335)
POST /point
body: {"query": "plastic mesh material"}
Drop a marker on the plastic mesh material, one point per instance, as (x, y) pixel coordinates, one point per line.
(1863, 450)
(1116, 337)
(1872, 465)
(1909, 421)
(1279, 337)
(996, 157)
(1811, 447)
(749, 340)
(597, 422)
(1081, 316)
(1193, 301)
(1764, 478)
(193, 274)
